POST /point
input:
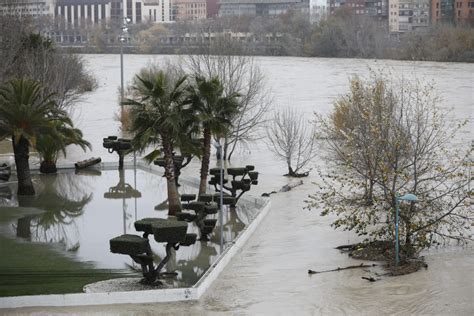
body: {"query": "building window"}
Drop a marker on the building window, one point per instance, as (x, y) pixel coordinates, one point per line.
(96, 13)
(138, 11)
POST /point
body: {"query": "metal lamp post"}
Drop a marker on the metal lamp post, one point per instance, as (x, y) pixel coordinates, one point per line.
(221, 194)
(122, 39)
(407, 197)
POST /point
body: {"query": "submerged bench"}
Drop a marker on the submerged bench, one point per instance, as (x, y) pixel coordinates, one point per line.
(169, 231)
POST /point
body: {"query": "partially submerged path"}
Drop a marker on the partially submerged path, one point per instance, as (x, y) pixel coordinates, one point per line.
(270, 276)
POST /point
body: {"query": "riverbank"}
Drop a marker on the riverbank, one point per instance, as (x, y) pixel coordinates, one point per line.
(275, 50)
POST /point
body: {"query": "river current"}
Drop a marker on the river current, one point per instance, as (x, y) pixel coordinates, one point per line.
(269, 276)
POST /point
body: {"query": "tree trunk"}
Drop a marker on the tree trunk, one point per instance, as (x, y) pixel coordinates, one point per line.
(174, 203)
(22, 154)
(48, 166)
(291, 173)
(205, 160)
(23, 227)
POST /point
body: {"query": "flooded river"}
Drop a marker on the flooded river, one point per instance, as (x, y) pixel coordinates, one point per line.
(269, 276)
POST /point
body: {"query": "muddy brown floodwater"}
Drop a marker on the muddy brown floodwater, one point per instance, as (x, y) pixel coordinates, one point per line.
(269, 276)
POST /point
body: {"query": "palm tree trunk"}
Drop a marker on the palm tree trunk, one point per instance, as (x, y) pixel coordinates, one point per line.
(206, 154)
(48, 166)
(174, 203)
(22, 154)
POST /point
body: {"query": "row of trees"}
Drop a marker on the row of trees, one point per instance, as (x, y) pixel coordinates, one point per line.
(343, 34)
(386, 138)
(171, 111)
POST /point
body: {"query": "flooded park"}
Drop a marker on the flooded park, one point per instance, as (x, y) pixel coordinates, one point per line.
(268, 276)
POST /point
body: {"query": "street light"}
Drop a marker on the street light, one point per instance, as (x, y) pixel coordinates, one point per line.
(221, 197)
(122, 39)
(407, 197)
(218, 147)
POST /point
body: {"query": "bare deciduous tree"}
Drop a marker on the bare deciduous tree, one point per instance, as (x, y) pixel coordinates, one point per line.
(387, 138)
(292, 140)
(28, 54)
(239, 74)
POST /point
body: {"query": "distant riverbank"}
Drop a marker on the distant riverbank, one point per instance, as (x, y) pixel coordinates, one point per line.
(264, 50)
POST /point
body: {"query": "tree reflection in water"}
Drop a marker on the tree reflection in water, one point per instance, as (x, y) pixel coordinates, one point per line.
(62, 196)
(123, 191)
(199, 257)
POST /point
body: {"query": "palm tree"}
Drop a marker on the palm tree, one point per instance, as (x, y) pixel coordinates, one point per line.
(158, 118)
(25, 114)
(49, 146)
(213, 111)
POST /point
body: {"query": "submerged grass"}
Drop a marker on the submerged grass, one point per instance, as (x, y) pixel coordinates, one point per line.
(28, 268)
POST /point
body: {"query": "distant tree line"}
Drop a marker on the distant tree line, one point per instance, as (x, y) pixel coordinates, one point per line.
(340, 35)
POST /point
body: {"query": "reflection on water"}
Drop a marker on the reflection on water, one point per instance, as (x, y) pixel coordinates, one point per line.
(63, 200)
(84, 210)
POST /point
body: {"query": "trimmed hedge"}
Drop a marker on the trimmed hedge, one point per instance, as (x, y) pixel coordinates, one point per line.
(159, 162)
(144, 224)
(211, 208)
(183, 216)
(236, 171)
(195, 206)
(129, 245)
(189, 240)
(205, 198)
(210, 222)
(188, 197)
(172, 231)
(253, 175)
(215, 171)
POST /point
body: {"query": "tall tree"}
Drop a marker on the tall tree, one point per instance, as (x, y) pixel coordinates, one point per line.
(50, 146)
(292, 140)
(238, 74)
(387, 138)
(213, 111)
(24, 115)
(158, 118)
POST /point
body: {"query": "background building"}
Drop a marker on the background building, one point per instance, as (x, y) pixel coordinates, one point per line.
(413, 15)
(318, 9)
(464, 11)
(442, 11)
(372, 8)
(27, 7)
(260, 7)
(190, 10)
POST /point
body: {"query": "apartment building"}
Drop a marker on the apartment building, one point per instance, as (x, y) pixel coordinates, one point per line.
(76, 12)
(464, 11)
(318, 9)
(260, 7)
(372, 8)
(414, 15)
(190, 10)
(27, 7)
(442, 11)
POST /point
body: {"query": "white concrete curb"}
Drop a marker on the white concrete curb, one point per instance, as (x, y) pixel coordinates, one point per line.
(146, 296)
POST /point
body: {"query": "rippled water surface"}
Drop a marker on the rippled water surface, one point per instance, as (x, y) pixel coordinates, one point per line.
(269, 276)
